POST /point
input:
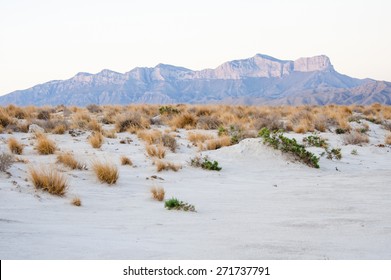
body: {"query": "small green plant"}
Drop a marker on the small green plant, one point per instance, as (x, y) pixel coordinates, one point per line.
(354, 152)
(175, 204)
(279, 142)
(168, 110)
(222, 131)
(205, 163)
(340, 130)
(315, 141)
(334, 153)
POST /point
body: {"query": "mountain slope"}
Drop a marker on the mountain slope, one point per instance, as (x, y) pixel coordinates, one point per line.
(257, 80)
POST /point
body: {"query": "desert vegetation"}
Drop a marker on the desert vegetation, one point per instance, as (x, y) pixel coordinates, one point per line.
(14, 146)
(126, 161)
(158, 193)
(175, 204)
(105, 172)
(45, 146)
(69, 160)
(49, 180)
(164, 165)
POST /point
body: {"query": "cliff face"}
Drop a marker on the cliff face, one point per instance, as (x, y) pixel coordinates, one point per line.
(257, 80)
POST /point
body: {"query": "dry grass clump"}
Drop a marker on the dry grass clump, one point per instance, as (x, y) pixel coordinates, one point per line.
(207, 121)
(197, 138)
(14, 146)
(45, 146)
(126, 161)
(49, 180)
(169, 141)
(93, 108)
(217, 143)
(164, 165)
(80, 119)
(388, 139)
(131, 122)
(158, 193)
(105, 172)
(186, 120)
(355, 138)
(156, 151)
(69, 160)
(43, 115)
(59, 129)
(150, 136)
(5, 119)
(76, 201)
(110, 134)
(96, 140)
(1, 129)
(95, 126)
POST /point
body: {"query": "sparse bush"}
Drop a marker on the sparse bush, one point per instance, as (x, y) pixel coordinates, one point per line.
(156, 151)
(69, 160)
(5, 119)
(45, 146)
(43, 115)
(110, 134)
(354, 152)
(334, 153)
(340, 130)
(6, 161)
(290, 146)
(208, 122)
(158, 193)
(169, 142)
(105, 172)
(14, 146)
(205, 163)
(96, 140)
(186, 120)
(355, 138)
(126, 161)
(131, 122)
(175, 204)
(93, 108)
(49, 180)
(162, 165)
(168, 110)
(315, 141)
(76, 201)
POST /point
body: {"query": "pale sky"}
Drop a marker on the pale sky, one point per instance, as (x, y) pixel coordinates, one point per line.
(42, 40)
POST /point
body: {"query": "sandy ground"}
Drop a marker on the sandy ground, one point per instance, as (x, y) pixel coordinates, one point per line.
(261, 205)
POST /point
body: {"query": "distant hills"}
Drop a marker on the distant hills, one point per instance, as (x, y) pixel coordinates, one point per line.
(253, 81)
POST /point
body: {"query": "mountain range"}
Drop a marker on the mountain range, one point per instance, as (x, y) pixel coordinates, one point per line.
(258, 80)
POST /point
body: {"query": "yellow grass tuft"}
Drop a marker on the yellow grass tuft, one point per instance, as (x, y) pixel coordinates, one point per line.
(105, 172)
(69, 160)
(45, 146)
(150, 136)
(217, 143)
(95, 126)
(14, 146)
(59, 129)
(388, 139)
(156, 151)
(96, 140)
(110, 134)
(76, 201)
(163, 165)
(126, 161)
(197, 138)
(186, 120)
(49, 180)
(158, 193)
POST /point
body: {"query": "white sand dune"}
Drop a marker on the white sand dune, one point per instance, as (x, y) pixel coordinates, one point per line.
(261, 205)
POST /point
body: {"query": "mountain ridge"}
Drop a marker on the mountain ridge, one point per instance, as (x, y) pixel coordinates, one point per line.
(260, 79)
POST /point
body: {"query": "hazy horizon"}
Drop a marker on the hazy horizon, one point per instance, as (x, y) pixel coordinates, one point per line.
(53, 40)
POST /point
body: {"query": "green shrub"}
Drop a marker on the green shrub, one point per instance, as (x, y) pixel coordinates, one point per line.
(205, 163)
(354, 152)
(279, 142)
(315, 141)
(168, 110)
(175, 204)
(334, 153)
